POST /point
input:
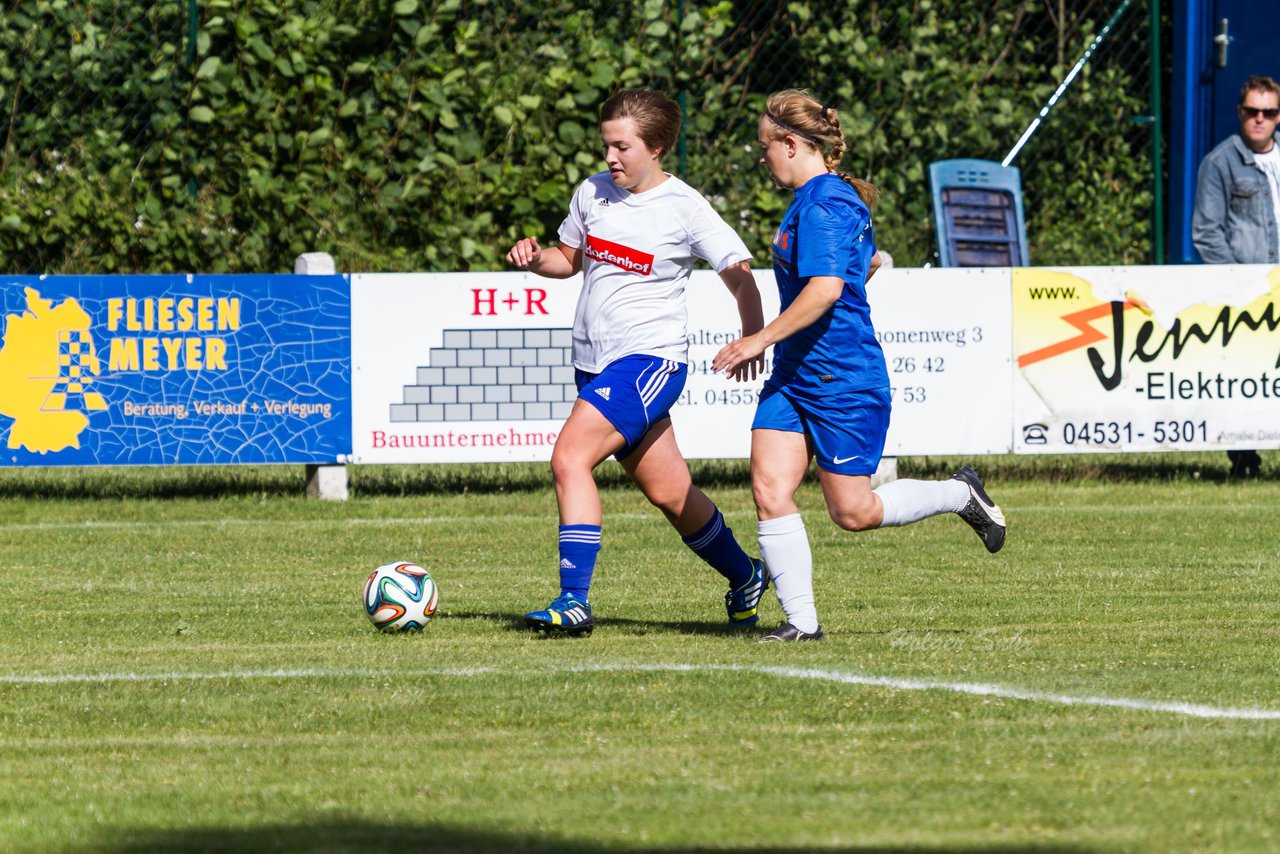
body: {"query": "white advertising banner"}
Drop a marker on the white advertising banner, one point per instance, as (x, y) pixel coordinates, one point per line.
(945, 335)
(475, 367)
(1146, 358)
(459, 367)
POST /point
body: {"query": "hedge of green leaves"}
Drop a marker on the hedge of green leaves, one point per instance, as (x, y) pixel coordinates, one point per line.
(414, 135)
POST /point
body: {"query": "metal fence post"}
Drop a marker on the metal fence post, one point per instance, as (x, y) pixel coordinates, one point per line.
(193, 32)
(683, 99)
(328, 481)
(1157, 126)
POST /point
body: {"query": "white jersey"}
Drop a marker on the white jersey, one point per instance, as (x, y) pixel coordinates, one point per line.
(637, 252)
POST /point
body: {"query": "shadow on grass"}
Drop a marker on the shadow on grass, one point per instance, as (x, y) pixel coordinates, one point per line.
(684, 627)
(285, 481)
(1207, 467)
(112, 483)
(289, 481)
(515, 623)
(366, 836)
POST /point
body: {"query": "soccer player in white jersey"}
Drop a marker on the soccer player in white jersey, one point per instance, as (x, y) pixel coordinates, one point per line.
(635, 231)
(828, 396)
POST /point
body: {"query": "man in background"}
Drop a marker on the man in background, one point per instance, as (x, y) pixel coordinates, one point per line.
(1237, 215)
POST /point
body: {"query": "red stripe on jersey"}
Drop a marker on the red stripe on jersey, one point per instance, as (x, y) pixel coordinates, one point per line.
(625, 257)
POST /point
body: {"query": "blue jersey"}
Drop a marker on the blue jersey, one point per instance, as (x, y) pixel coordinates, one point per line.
(827, 232)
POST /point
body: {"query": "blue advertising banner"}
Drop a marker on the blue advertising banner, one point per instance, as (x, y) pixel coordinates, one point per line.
(194, 369)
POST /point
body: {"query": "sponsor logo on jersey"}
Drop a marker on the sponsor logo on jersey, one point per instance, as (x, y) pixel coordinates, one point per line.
(603, 392)
(632, 260)
(782, 249)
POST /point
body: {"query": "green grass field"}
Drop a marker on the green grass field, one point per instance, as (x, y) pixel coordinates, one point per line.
(185, 665)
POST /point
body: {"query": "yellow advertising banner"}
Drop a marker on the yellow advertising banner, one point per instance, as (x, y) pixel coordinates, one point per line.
(1146, 358)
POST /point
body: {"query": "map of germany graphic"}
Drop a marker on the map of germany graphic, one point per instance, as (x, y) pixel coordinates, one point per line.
(47, 367)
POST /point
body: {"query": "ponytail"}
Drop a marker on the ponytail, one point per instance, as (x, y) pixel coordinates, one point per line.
(868, 192)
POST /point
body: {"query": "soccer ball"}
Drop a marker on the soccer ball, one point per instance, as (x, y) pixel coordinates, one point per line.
(400, 597)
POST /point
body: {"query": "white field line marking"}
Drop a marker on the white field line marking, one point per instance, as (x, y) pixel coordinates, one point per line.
(286, 523)
(534, 517)
(179, 676)
(974, 689)
(260, 523)
(978, 689)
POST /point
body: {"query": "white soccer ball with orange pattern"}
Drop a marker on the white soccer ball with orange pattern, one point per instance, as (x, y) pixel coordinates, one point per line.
(400, 597)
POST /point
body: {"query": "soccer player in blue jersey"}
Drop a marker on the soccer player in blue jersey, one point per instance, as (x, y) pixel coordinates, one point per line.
(633, 232)
(828, 396)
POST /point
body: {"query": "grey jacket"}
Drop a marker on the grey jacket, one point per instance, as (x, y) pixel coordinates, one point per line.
(1234, 221)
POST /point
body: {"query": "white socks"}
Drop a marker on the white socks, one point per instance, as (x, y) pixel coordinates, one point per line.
(784, 547)
(907, 501)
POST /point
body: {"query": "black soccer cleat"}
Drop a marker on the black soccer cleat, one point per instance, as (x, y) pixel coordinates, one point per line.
(786, 633)
(982, 514)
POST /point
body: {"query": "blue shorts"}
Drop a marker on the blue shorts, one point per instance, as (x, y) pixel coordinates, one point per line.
(847, 430)
(633, 393)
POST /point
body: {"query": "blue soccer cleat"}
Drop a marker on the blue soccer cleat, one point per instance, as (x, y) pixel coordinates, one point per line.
(565, 615)
(743, 604)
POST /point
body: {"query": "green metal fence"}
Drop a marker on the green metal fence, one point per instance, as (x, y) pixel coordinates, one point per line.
(927, 81)
(121, 85)
(70, 71)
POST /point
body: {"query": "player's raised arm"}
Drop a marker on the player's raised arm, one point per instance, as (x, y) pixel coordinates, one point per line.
(558, 262)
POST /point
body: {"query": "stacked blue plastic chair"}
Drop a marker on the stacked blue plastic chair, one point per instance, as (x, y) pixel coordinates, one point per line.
(977, 212)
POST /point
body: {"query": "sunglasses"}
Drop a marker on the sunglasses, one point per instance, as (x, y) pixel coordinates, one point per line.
(1254, 112)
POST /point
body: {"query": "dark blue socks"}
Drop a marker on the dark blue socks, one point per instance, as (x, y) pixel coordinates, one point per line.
(579, 545)
(715, 544)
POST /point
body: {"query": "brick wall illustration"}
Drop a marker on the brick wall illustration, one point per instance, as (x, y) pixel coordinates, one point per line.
(493, 375)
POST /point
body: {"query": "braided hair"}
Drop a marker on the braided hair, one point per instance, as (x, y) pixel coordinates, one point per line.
(796, 112)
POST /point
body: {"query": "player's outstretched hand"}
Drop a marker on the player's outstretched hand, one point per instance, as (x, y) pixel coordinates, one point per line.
(525, 253)
(742, 359)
